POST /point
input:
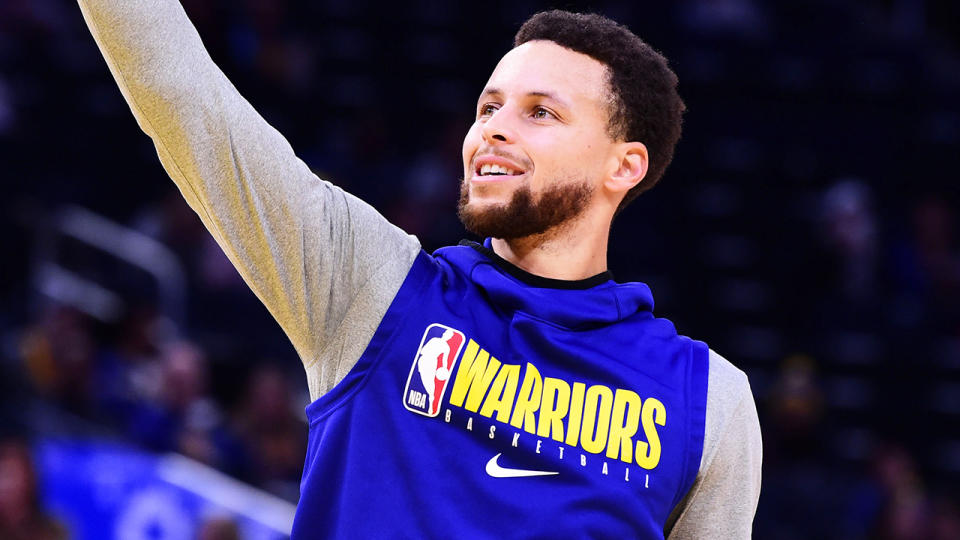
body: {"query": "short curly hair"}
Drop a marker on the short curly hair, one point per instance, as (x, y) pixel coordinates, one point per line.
(644, 103)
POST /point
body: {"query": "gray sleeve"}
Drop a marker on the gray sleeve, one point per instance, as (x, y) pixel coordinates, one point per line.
(325, 264)
(723, 499)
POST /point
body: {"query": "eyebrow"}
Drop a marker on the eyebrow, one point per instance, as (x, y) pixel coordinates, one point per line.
(491, 91)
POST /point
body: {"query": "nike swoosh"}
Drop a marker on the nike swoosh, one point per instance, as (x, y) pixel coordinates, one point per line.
(496, 471)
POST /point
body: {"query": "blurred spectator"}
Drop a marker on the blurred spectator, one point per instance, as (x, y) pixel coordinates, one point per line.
(905, 514)
(937, 255)
(800, 494)
(852, 284)
(945, 523)
(58, 353)
(219, 528)
(129, 369)
(927, 263)
(850, 229)
(275, 435)
(796, 403)
(892, 502)
(21, 517)
(182, 416)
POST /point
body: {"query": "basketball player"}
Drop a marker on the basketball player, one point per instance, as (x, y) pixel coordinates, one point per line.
(434, 364)
(569, 410)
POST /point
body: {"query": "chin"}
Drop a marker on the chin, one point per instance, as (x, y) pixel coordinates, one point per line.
(481, 205)
(491, 193)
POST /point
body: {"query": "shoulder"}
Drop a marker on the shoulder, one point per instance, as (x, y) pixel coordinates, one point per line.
(730, 404)
(723, 499)
(727, 384)
(725, 375)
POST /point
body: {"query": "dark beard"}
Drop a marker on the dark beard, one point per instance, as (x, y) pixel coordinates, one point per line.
(522, 216)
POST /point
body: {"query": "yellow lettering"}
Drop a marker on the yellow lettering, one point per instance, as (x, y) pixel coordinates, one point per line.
(596, 414)
(556, 401)
(502, 393)
(474, 375)
(623, 425)
(528, 401)
(576, 413)
(653, 413)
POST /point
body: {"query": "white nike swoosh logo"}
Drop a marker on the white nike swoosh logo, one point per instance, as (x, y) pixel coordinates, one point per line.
(496, 471)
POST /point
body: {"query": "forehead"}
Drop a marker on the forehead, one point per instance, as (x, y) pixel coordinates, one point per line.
(544, 66)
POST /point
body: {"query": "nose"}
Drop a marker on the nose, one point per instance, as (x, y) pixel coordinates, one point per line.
(497, 128)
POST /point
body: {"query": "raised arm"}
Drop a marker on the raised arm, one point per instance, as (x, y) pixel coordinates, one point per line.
(314, 255)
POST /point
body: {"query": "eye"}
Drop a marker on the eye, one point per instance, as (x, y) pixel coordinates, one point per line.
(487, 109)
(542, 113)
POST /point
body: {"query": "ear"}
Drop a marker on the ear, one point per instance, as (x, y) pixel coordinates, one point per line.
(631, 162)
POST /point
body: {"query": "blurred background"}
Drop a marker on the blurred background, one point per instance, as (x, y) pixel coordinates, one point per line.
(807, 230)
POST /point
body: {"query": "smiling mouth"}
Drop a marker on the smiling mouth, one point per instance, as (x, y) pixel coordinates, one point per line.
(491, 169)
(491, 172)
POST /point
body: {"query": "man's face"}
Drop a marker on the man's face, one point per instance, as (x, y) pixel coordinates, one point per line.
(540, 146)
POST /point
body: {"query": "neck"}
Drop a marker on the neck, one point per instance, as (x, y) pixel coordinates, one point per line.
(572, 251)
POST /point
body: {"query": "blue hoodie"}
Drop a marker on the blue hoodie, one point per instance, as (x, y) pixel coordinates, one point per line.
(492, 403)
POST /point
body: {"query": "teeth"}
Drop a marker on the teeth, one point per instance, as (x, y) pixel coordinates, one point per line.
(491, 168)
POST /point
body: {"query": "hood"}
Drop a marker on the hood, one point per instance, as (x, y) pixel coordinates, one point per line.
(579, 304)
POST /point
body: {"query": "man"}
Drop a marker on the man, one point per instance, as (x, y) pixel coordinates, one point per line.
(568, 410)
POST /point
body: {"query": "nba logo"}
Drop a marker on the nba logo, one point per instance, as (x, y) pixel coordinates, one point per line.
(432, 366)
